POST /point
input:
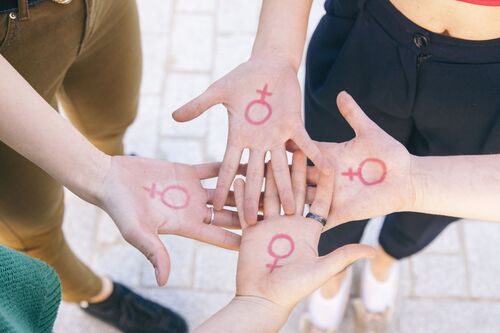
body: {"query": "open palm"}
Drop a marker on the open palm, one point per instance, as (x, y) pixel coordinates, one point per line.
(146, 198)
(263, 100)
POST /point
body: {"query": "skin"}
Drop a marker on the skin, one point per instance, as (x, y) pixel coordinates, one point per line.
(270, 296)
(275, 60)
(454, 18)
(431, 185)
(116, 184)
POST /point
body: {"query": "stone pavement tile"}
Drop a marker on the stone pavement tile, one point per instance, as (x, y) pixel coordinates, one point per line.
(181, 151)
(80, 222)
(447, 242)
(236, 16)
(142, 137)
(192, 42)
(155, 15)
(195, 306)
(439, 275)
(196, 5)
(448, 316)
(121, 262)
(231, 51)
(482, 243)
(181, 251)
(215, 269)
(180, 89)
(154, 69)
(107, 232)
(71, 319)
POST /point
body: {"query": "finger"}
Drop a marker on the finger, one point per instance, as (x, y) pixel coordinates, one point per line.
(341, 258)
(353, 114)
(227, 172)
(312, 151)
(313, 175)
(154, 250)
(239, 196)
(272, 205)
(253, 187)
(324, 196)
(217, 236)
(223, 218)
(281, 172)
(197, 106)
(207, 170)
(299, 174)
(230, 201)
(310, 194)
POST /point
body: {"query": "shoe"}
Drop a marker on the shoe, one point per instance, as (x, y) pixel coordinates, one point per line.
(131, 313)
(371, 322)
(326, 315)
(306, 326)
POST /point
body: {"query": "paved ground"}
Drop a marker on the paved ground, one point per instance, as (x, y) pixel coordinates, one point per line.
(453, 286)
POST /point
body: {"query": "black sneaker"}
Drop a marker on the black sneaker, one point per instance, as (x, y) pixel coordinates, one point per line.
(131, 313)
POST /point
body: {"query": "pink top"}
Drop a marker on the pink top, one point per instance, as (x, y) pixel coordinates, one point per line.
(483, 2)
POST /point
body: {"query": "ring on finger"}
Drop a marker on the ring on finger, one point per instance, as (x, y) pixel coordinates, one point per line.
(317, 217)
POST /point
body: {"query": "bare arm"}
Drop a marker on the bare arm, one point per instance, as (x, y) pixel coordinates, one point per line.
(461, 186)
(282, 30)
(30, 126)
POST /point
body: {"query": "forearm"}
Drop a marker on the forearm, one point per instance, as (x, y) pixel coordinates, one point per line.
(30, 126)
(245, 315)
(282, 29)
(461, 186)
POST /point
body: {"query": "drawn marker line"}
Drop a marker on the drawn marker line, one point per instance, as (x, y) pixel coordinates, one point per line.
(262, 101)
(279, 257)
(359, 173)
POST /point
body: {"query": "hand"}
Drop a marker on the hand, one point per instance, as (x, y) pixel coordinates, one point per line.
(372, 171)
(263, 100)
(278, 260)
(148, 197)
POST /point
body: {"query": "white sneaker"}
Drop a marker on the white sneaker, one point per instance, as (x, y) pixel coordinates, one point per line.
(326, 315)
(377, 295)
(375, 310)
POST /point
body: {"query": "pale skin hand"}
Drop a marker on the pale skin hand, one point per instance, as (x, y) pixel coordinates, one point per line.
(270, 293)
(275, 58)
(133, 194)
(353, 199)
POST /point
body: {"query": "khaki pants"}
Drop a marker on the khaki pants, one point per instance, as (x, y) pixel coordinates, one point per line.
(86, 55)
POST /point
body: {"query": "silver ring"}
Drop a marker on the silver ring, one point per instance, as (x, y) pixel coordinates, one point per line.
(212, 215)
(317, 217)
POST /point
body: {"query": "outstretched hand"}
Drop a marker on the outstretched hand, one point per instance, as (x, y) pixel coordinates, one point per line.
(278, 260)
(263, 100)
(372, 171)
(148, 197)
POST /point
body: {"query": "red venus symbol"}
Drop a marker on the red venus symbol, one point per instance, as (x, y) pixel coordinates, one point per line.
(170, 201)
(351, 174)
(262, 101)
(278, 257)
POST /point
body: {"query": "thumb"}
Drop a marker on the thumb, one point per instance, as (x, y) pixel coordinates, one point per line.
(338, 260)
(353, 114)
(154, 250)
(197, 106)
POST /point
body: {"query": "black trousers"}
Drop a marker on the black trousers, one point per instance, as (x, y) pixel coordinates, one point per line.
(437, 95)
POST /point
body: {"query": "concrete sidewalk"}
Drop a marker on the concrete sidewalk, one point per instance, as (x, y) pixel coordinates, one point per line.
(452, 286)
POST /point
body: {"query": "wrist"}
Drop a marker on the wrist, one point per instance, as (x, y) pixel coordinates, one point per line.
(97, 170)
(271, 315)
(273, 56)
